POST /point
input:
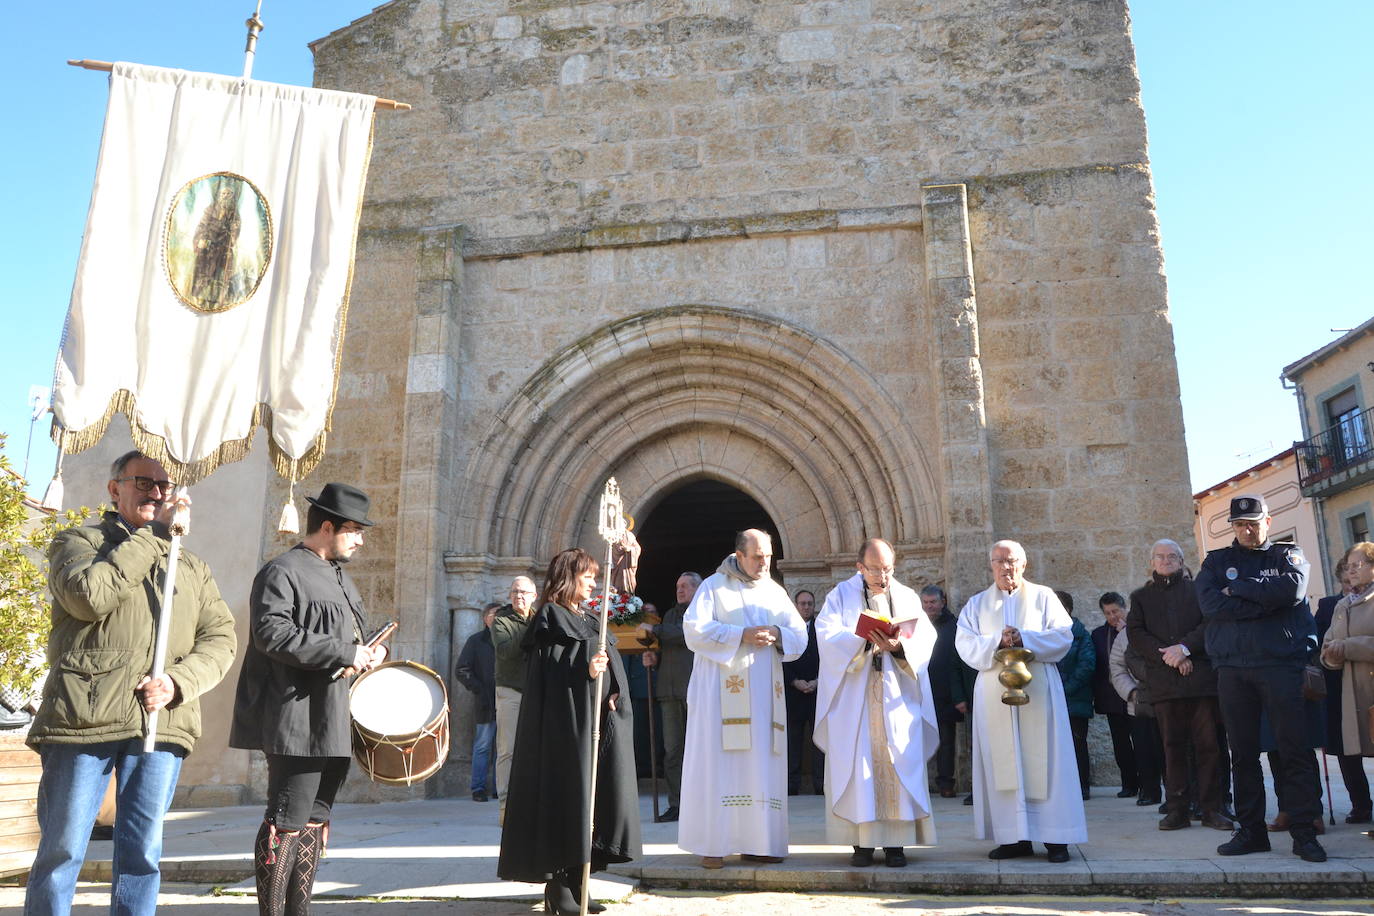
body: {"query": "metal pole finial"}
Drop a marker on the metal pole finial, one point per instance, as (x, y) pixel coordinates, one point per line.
(255, 27)
(611, 522)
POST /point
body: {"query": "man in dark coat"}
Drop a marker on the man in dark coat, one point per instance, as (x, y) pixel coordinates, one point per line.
(306, 622)
(476, 670)
(674, 663)
(800, 677)
(944, 680)
(1260, 633)
(1105, 698)
(1076, 671)
(1166, 628)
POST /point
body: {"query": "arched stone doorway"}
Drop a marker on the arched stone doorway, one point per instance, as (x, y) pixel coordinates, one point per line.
(695, 392)
(692, 528)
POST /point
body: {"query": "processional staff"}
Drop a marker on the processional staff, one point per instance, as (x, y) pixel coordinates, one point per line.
(611, 526)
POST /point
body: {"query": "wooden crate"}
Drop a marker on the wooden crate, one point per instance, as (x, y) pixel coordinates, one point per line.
(19, 772)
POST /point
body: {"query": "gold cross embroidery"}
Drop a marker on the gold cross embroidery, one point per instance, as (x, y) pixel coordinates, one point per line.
(777, 690)
(734, 683)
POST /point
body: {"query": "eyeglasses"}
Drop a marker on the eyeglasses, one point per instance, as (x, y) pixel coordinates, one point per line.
(879, 570)
(146, 484)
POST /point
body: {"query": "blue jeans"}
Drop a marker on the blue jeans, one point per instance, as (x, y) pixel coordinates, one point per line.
(69, 795)
(483, 761)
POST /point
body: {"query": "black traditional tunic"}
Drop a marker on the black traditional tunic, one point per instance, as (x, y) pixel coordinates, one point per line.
(545, 827)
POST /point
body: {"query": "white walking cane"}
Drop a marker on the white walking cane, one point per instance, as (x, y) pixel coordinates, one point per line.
(181, 522)
(611, 526)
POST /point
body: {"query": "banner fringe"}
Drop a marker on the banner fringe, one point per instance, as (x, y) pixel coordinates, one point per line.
(187, 473)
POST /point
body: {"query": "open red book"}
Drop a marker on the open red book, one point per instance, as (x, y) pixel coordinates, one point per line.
(870, 622)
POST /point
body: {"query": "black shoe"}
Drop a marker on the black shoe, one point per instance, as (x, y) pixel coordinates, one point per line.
(1175, 820)
(1058, 852)
(1012, 850)
(572, 881)
(968, 799)
(1308, 849)
(1245, 841)
(481, 796)
(667, 817)
(1086, 795)
(1359, 816)
(862, 857)
(1145, 801)
(1128, 793)
(559, 900)
(102, 832)
(894, 857)
(1226, 812)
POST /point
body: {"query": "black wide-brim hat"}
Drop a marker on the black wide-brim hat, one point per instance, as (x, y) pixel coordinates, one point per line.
(347, 502)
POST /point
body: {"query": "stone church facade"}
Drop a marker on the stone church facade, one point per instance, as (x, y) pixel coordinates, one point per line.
(887, 267)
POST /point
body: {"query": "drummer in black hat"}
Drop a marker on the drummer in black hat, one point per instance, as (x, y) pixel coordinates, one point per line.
(306, 623)
(1253, 595)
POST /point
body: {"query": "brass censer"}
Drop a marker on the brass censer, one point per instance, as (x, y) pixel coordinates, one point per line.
(1014, 674)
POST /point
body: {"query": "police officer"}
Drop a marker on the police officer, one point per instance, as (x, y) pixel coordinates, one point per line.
(1253, 596)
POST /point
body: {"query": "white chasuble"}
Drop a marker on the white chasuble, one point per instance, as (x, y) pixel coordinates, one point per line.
(734, 772)
(876, 725)
(1025, 775)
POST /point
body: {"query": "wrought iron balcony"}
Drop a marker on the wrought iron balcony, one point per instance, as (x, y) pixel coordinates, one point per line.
(1340, 456)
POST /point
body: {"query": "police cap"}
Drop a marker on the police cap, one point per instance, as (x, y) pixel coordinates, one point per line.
(1248, 508)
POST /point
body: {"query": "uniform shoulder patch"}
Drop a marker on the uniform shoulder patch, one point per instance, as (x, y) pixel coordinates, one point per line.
(1294, 555)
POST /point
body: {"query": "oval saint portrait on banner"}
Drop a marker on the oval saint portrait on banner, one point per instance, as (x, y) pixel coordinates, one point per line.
(218, 242)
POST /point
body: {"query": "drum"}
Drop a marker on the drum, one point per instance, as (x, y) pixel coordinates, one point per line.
(400, 722)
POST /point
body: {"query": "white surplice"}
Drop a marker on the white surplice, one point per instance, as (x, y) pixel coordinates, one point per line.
(1025, 775)
(735, 801)
(882, 801)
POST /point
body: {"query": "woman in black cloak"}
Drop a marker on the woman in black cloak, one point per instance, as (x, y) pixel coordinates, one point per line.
(545, 836)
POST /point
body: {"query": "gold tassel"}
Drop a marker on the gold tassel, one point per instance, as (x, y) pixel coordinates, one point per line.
(53, 496)
(290, 521)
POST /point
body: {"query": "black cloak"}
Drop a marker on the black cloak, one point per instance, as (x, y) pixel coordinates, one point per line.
(545, 824)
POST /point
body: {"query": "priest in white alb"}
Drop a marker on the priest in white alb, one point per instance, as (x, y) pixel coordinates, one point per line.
(741, 626)
(1025, 775)
(875, 713)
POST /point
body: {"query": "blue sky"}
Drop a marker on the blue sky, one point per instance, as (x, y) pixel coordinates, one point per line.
(1260, 131)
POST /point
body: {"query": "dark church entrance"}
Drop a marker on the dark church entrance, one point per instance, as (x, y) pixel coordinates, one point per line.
(693, 528)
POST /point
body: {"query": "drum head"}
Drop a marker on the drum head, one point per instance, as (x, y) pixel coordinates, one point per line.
(398, 698)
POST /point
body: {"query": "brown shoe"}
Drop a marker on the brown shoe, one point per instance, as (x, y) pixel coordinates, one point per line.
(712, 862)
(1217, 821)
(1279, 823)
(1175, 820)
(764, 860)
(948, 792)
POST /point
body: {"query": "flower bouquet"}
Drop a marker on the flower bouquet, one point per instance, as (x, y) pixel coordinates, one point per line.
(624, 610)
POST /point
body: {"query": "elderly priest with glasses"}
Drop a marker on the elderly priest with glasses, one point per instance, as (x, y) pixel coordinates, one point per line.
(1025, 775)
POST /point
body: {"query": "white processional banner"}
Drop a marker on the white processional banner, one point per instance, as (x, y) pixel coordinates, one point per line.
(212, 290)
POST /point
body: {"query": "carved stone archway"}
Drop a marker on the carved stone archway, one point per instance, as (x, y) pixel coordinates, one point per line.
(692, 391)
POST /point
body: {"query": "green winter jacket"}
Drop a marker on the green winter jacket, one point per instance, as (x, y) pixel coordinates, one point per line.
(106, 585)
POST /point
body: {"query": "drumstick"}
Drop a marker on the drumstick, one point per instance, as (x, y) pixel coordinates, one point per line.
(384, 633)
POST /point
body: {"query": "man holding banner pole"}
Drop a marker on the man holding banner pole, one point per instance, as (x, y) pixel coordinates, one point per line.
(99, 696)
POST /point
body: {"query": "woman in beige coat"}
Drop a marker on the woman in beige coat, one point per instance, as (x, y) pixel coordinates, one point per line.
(1349, 648)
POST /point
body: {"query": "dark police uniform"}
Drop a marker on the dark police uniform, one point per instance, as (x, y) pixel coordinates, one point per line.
(1259, 635)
